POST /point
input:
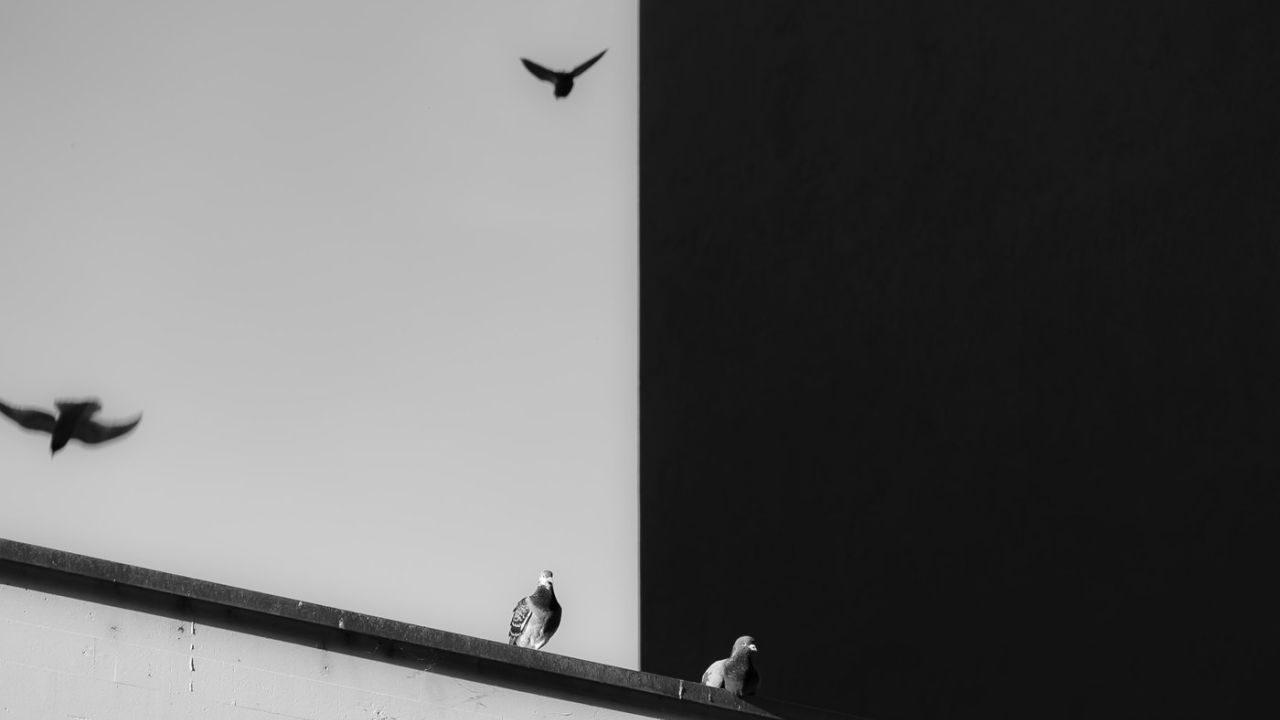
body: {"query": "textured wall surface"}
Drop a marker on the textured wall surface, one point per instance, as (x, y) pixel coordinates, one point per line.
(68, 658)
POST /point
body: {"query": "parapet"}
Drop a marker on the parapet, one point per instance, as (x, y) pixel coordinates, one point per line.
(84, 637)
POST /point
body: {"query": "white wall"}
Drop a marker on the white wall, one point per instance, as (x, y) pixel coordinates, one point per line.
(68, 658)
(373, 288)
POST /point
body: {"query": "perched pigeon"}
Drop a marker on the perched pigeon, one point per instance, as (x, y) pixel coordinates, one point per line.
(74, 421)
(735, 673)
(563, 80)
(537, 617)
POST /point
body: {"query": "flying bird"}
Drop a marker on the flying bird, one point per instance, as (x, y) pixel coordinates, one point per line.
(562, 80)
(74, 420)
(735, 673)
(537, 617)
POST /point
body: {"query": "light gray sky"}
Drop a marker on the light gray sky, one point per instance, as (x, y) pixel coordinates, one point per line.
(373, 287)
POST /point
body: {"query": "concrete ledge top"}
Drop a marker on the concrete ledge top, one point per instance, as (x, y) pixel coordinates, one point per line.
(558, 668)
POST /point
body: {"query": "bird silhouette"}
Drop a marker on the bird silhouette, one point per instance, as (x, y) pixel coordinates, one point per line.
(536, 617)
(74, 420)
(562, 80)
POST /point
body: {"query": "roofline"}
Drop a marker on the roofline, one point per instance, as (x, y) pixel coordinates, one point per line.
(113, 583)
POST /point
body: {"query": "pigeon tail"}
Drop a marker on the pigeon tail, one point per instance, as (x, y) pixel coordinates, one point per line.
(87, 404)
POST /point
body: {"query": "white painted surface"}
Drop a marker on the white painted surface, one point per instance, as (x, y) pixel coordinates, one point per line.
(68, 658)
(358, 269)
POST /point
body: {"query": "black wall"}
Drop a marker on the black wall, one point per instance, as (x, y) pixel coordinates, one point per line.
(960, 352)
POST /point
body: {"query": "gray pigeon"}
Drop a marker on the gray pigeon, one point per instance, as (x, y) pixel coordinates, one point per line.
(74, 420)
(735, 673)
(537, 617)
(562, 80)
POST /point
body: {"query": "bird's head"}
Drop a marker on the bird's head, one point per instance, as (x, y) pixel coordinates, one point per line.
(544, 578)
(746, 643)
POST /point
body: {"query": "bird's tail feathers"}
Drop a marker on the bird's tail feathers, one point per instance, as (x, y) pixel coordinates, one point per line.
(86, 403)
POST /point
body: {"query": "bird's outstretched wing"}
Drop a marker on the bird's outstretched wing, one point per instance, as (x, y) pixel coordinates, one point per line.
(519, 618)
(29, 418)
(88, 431)
(538, 71)
(583, 67)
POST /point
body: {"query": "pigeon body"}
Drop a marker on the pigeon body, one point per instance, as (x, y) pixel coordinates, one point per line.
(561, 79)
(73, 421)
(536, 617)
(736, 673)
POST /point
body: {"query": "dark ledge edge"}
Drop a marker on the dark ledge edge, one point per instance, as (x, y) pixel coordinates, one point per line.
(371, 631)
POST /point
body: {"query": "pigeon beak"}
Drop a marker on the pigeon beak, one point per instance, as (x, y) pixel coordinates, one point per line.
(752, 647)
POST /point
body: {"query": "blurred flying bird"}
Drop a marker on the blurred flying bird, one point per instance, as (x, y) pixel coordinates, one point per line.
(735, 673)
(74, 420)
(562, 80)
(537, 617)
